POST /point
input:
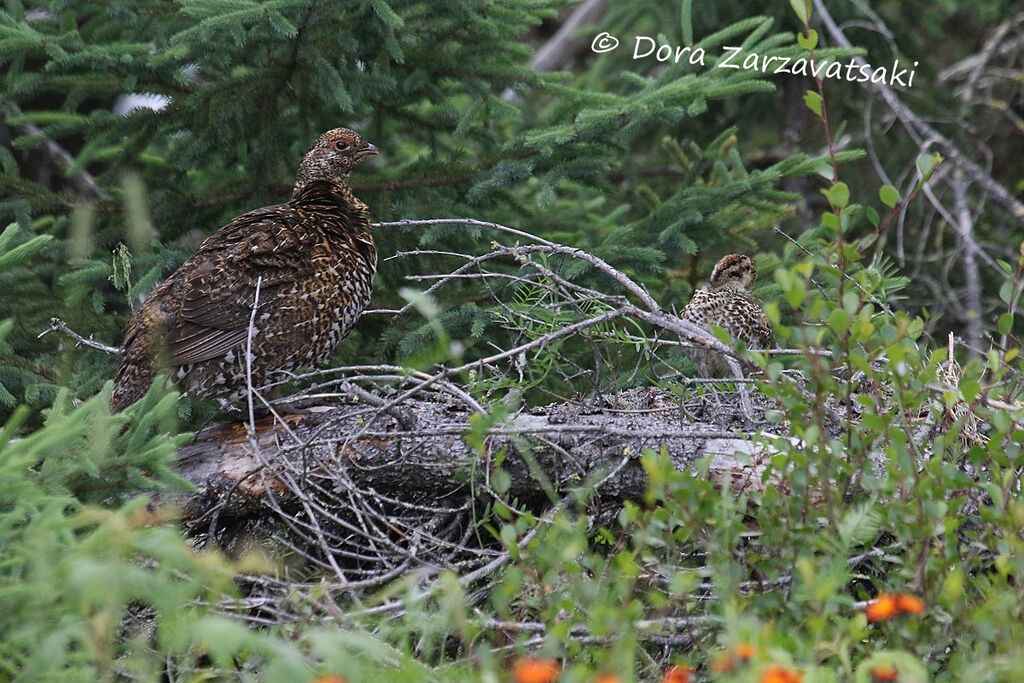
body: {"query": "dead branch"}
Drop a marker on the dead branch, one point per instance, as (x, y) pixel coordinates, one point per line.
(365, 500)
(965, 227)
(561, 446)
(391, 472)
(556, 53)
(58, 325)
(521, 254)
(82, 181)
(917, 126)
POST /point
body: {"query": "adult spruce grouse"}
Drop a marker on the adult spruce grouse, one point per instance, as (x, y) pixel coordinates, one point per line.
(313, 260)
(727, 303)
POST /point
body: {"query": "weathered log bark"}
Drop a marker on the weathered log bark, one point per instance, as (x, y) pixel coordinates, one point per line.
(554, 449)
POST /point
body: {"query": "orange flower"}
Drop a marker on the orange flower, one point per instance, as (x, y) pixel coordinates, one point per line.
(883, 607)
(884, 674)
(723, 664)
(680, 673)
(780, 674)
(607, 678)
(744, 651)
(536, 670)
(740, 654)
(887, 606)
(910, 604)
(329, 679)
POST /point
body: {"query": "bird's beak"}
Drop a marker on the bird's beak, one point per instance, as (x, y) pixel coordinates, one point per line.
(368, 151)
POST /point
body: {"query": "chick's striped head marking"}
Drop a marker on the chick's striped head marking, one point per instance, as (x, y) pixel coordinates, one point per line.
(735, 271)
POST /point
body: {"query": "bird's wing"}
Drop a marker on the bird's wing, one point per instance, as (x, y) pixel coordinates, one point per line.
(217, 289)
(757, 332)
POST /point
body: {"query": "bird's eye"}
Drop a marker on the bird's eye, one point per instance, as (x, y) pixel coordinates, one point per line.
(341, 145)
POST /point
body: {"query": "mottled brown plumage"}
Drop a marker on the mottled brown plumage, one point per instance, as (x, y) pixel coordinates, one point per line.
(727, 303)
(313, 259)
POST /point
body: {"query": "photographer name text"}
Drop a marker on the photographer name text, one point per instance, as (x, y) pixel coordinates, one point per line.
(854, 71)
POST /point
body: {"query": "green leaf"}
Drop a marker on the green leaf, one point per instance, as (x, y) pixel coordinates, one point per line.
(501, 481)
(838, 195)
(970, 389)
(7, 399)
(813, 101)
(387, 15)
(889, 195)
(698, 106)
(808, 42)
(281, 25)
(926, 164)
(222, 638)
(795, 293)
(803, 12)
(839, 321)
(721, 335)
(838, 134)
(872, 216)
(851, 302)
(1005, 323)
(1006, 291)
(122, 267)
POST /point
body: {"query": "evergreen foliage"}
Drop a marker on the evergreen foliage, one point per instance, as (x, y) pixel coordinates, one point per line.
(248, 87)
(653, 167)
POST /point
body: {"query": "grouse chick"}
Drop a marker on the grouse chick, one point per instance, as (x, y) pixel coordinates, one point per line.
(727, 303)
(312, 261)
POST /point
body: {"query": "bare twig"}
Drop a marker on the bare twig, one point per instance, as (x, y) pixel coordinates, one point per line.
(647, 628)
(965, 226)
(556, 52)
(653, 314)
(914, 123)
(546, 246)
(58, 325)
(250, 333)
(871, 297)
(81, 180)
(461, 221)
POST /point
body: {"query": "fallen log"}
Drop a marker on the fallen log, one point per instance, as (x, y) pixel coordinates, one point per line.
(554, 449)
